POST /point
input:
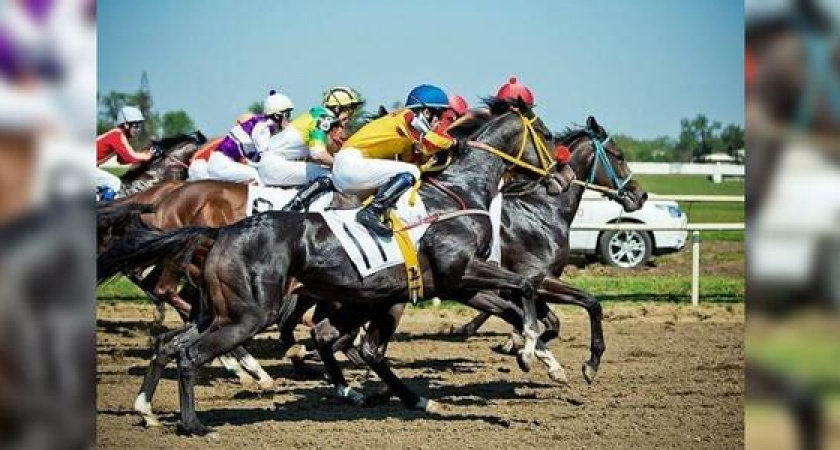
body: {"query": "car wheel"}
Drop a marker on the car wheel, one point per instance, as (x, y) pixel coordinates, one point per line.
(625, 248)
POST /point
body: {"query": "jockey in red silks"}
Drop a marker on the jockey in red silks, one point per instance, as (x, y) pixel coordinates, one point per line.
(115, 142)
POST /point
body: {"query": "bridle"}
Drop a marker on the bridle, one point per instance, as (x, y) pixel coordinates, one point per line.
(601, 157)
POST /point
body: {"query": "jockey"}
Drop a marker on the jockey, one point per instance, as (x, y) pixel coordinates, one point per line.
(198, 162)
(233, 158)
(115, 142)
(298, 155)
(366, 161)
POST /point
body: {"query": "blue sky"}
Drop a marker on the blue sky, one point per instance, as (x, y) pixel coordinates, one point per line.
(638, 65)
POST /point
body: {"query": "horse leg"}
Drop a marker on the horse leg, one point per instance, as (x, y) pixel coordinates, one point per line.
(555, 291)
(165, 349)
(238, 362)
(482, 275)
(288, 347)
(217, 339)
(167, 289)
(490, 302)
(252, 367)
(328, 337)
(470, 328)
(147, 284)
(379, 333)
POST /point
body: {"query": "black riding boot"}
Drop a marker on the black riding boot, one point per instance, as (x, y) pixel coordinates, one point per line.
(307, 195)
(372, 215)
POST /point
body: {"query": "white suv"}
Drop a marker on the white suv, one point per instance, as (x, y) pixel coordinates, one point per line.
(626, 248)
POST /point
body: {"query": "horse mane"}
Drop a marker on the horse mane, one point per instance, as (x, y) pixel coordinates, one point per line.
(570, 134)
(171, 141)
(500, 106)
(467, 125)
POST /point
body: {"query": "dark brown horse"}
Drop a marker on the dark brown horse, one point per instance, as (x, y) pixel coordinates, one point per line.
(535, 234)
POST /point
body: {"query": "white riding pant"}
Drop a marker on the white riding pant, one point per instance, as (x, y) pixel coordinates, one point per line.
(275, 170)
(220, 167)
(198, 170)
(105, 178)
(352, 172)
(495, 211)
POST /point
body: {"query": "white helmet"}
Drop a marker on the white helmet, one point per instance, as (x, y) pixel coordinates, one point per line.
(277, 103)
(129, 114)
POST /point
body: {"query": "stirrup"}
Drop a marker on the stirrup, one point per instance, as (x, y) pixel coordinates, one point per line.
(371, 220)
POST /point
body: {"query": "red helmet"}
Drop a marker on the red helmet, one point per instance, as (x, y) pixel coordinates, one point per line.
(458, 104)
(513, 90)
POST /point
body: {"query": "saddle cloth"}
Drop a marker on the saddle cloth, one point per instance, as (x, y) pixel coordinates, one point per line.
(369, 253)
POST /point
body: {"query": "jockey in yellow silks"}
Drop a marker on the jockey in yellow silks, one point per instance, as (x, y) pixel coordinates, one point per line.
(369, 158)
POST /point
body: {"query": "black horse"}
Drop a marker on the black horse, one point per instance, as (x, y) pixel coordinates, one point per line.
(172, 163)
(247, 270)
(535, 237)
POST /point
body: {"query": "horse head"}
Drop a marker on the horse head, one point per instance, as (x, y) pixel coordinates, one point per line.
(597, 160)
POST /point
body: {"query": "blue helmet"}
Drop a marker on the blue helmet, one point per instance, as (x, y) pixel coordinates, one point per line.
(427, 96)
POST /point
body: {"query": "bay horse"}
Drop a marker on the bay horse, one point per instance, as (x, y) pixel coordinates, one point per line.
(246, 271)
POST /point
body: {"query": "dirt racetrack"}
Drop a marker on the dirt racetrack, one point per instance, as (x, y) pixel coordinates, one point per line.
(671, 377)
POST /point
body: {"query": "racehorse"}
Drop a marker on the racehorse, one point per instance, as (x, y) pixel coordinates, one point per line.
(171, 164)
(246, 272)
(535, 234)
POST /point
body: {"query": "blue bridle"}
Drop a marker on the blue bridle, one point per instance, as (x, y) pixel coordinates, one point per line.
(601, 157)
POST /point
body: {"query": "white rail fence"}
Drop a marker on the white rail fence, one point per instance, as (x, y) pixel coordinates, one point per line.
(716, 170)
(694, 228)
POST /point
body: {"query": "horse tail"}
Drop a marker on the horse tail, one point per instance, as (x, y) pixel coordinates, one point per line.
(147, 246)
(114, 216)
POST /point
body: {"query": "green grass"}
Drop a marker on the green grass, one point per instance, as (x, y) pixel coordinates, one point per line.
(805, 347)
(701, 212)
(670, 288)
(120, 289)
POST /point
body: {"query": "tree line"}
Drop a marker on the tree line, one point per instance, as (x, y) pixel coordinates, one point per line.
(169, 123)
(698, 137)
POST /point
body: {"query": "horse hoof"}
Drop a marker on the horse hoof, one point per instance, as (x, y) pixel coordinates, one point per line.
(589, 373)
(266, 384)
(151, 421)
(246, 380)
(559, 376)
(213, 437)
(429, 406)
(524, 361)
(144, 408)
(198, 430)
(348, 394)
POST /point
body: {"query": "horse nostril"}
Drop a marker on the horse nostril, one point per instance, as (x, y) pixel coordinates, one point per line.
(644, 196)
